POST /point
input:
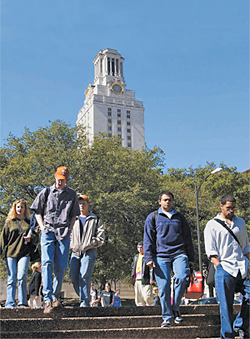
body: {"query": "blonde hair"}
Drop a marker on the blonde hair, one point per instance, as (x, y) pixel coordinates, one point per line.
(36, 265)
(12, 213)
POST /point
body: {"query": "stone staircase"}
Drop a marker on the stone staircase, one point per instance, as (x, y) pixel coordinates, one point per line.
(200, 321)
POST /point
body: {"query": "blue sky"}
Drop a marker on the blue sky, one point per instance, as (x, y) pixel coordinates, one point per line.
(188, 61)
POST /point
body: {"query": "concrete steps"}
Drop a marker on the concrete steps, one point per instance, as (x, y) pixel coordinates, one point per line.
(122, 322)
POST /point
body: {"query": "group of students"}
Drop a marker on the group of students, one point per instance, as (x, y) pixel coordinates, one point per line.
(65, 222)
(107, 298)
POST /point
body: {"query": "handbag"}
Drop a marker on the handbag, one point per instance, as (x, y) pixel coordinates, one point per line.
(195, 289)
(211, 269)
(210, 275)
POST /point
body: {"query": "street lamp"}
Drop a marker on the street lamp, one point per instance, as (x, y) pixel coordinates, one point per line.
(217, 171)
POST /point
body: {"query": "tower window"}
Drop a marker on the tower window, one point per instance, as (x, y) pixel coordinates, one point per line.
(108, 65)
(100, 65)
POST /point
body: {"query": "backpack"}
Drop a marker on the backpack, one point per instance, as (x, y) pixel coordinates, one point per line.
(155, 217)
(35, 239)
(33, 222)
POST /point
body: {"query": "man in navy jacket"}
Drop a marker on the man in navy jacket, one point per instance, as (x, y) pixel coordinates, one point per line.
(168, 244)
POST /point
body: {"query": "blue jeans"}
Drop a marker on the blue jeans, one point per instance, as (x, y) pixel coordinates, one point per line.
(225, 285)
(17, 271)
(54, 257)
(242, 320)
(81, 269)
(163, 278)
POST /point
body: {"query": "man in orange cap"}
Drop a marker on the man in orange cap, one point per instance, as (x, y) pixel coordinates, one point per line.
(56, 213)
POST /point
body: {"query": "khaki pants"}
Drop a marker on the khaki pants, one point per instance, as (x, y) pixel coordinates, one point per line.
(143, 294)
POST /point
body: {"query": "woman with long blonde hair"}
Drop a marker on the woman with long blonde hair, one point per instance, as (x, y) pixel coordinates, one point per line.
(14, 244)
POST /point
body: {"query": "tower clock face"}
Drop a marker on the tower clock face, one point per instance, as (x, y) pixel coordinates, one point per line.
(117, 88)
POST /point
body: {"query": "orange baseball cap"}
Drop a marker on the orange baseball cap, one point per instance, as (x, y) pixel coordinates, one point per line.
(83, 197)
(62, 173)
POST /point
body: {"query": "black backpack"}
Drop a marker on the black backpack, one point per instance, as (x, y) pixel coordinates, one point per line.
(33, 221)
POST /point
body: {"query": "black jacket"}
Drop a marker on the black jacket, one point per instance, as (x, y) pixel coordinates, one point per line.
(35, 283)
(147, 272)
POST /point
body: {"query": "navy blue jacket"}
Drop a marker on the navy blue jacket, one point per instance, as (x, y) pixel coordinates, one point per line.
(166, 237)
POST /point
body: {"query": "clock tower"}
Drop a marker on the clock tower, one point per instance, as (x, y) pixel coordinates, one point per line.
(109, 106)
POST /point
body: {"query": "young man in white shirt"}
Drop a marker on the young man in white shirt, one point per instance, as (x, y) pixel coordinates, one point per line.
(231, 259)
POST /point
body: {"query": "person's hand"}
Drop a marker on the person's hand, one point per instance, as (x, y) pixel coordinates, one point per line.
(36, 297)
(27, 239)
(150, 264)
(152, 282)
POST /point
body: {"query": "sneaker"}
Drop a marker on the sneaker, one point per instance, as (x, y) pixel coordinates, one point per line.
(166, 323)
(56, 303)
(241, 334)
(47, 308)
(177, 317)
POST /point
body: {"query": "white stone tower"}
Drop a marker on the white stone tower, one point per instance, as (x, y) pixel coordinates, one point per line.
(109, 107)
